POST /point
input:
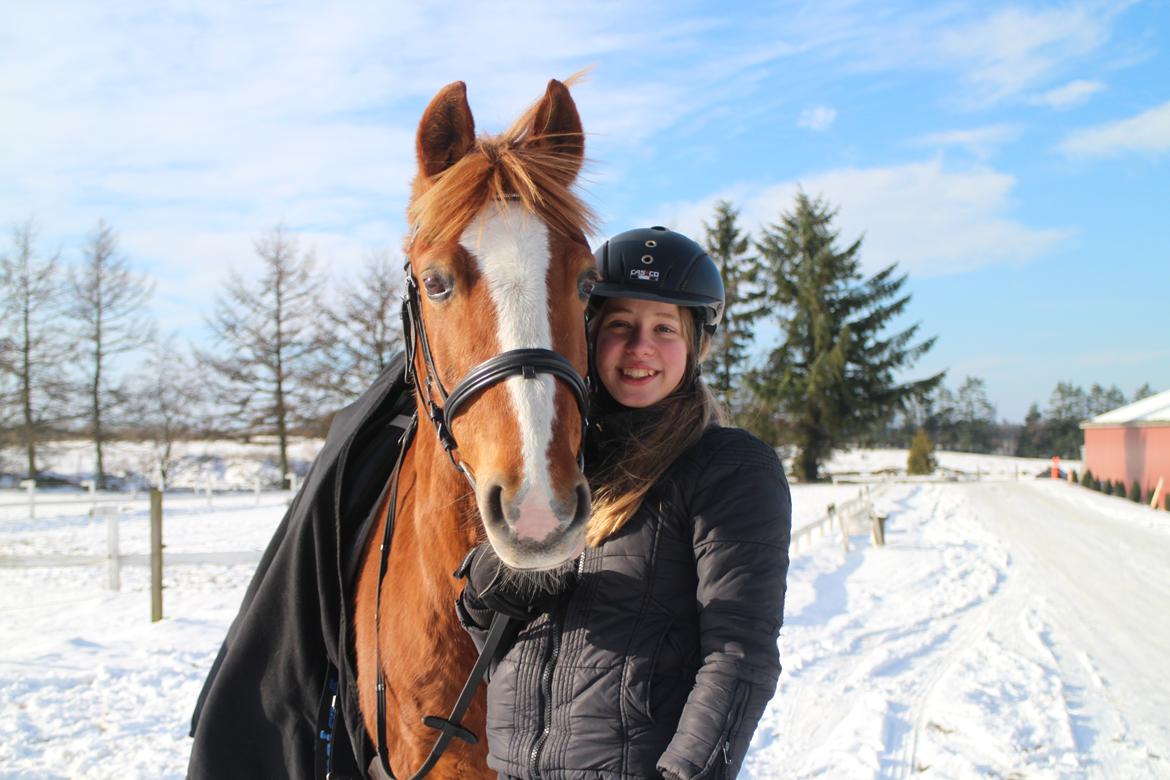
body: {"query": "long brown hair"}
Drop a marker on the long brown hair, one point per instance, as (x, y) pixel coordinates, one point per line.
(642, 457)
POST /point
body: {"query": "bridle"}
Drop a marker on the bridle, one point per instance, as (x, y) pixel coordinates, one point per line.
(526, 363)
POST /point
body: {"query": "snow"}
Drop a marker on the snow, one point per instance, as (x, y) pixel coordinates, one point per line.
(1009, 628)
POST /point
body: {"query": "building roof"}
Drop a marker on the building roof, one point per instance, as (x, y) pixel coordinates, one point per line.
(1152, 409)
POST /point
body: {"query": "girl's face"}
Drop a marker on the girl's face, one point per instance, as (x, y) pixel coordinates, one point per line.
(641, 350)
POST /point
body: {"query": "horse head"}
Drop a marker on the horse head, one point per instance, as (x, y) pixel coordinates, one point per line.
(500, 273)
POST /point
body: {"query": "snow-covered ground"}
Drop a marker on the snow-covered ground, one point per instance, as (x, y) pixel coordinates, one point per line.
(1009, 628)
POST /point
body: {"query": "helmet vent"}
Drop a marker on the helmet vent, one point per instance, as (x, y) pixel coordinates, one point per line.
(647, 259)
(651, 243)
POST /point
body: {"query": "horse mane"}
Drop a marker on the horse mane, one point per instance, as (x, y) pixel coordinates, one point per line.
(504, 167)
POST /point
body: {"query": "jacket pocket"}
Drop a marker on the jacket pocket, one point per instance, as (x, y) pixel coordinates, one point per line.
(641, 665)
(718, 766)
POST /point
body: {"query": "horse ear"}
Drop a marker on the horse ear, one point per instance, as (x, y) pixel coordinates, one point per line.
(556, 129)
(446, 131)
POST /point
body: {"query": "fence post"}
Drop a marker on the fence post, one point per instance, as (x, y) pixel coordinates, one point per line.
(91, 488)
(31, 486)
(1157, 493)
(156, 561)
(113, 558)
(256, 488)
(292, 482)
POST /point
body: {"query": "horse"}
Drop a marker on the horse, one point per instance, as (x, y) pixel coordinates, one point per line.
(498, 275)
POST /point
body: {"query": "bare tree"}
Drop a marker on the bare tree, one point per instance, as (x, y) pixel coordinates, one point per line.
(35, 346)
(109, 302)
(365, 328)
(167, 403)
(268, 342)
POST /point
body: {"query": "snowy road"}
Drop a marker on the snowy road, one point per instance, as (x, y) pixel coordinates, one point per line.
(1098, 586)
(1007, 630)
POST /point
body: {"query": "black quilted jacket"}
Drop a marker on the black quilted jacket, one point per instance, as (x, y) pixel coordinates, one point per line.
(662, 656)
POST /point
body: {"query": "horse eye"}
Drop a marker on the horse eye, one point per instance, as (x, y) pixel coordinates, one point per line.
(436, 286)
(586, 282)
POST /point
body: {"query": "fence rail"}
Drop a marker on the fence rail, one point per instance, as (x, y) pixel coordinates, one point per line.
(853, 516)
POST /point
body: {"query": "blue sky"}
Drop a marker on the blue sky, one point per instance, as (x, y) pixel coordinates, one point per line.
(1014, 159)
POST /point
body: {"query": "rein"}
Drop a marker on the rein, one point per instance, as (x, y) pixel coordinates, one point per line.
(526, 363)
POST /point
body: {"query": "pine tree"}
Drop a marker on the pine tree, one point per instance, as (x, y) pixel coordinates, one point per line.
(1068, 407)
(834, 374)
(1135, 492)
(1145, 391)
(745, 295)
(975, 416)
(921, 459)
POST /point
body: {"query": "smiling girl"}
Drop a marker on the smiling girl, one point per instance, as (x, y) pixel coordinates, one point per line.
(659, 654)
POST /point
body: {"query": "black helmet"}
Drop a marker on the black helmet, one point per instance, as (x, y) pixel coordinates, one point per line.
(657, 264)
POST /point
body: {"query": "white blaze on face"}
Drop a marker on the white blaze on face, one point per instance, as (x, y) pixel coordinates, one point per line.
(512, 251)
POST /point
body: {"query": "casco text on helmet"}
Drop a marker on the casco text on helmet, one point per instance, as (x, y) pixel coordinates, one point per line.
(658, 264)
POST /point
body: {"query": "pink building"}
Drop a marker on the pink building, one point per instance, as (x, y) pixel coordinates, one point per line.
(1131, 443)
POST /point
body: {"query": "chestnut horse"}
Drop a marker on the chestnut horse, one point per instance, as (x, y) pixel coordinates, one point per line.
(499, 265)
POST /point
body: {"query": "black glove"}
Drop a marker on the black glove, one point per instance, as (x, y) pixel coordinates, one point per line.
(491, 585)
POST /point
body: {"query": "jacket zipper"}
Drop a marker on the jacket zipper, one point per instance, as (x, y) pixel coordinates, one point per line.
(734, 716)
(546, 676)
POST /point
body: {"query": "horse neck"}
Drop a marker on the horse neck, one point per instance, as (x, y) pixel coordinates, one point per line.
(437, 507)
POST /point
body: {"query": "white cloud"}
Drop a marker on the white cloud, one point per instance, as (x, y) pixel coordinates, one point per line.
(1148, 132)
(817, 118)
(1014, 50)
(930, 220)
(979, 141)
(1070, 95)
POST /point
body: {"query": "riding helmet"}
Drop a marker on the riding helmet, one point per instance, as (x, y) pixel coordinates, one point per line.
(657, 264)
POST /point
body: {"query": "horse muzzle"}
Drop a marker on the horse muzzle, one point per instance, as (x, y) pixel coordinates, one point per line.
(531, 529)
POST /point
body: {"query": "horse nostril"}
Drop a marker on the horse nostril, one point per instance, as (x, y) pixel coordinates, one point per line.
(495, 503)
(584, 504)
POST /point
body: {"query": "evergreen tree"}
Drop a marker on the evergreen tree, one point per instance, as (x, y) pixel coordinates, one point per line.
(975, 416)
(834, 374)
(1145, 391)
(1031, 442)
(1067, 408)
(743, 285)
(268, 343)
(1101, 400)
(1135, 492)
(921, 459)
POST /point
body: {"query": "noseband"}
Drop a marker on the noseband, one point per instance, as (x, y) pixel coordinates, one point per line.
(526, 363)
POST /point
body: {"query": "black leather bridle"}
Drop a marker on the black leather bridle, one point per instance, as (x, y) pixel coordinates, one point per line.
(527, 363)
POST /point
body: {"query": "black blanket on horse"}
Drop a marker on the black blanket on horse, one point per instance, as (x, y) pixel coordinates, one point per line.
(261, 711)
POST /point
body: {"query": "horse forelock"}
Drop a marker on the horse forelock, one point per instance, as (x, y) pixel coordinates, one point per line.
(499, 169)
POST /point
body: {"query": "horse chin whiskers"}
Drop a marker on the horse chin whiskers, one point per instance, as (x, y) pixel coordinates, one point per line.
(539, 581)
